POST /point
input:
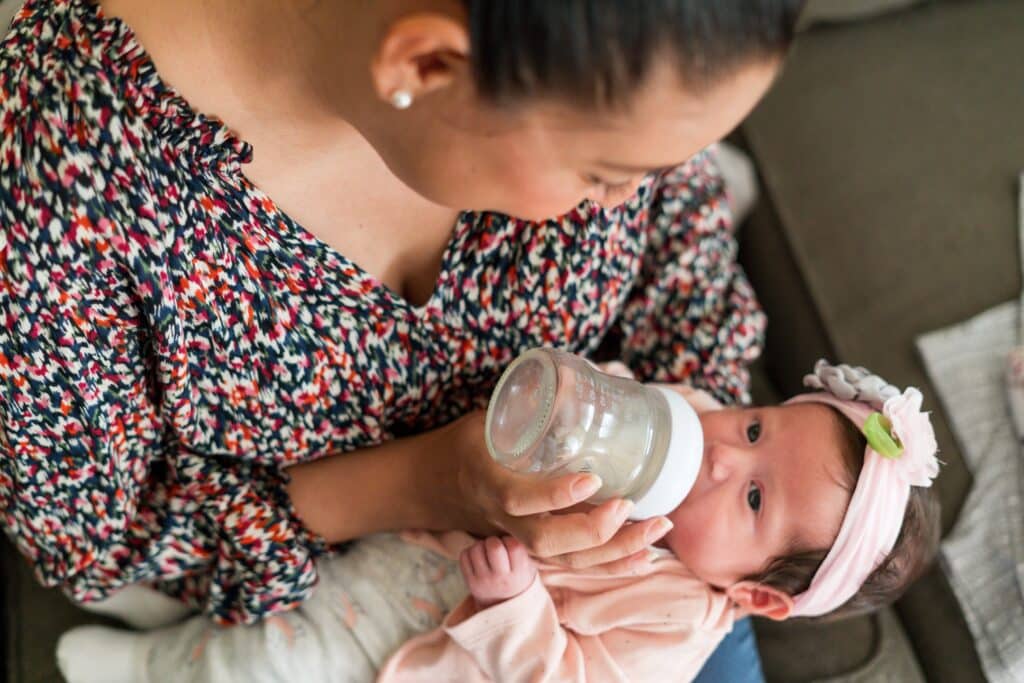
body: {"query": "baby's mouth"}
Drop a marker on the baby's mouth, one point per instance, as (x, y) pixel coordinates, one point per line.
(702, 475)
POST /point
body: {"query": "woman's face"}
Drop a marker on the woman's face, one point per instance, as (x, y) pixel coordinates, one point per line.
(540, 160)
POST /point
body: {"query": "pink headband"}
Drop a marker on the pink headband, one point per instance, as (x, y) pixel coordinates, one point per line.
(875, 514)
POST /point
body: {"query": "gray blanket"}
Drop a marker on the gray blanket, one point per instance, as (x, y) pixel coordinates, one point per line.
(983, 556)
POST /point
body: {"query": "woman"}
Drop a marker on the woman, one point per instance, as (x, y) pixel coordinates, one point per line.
(190, 308)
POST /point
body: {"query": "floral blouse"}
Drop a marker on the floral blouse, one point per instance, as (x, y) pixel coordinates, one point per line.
(170, 340)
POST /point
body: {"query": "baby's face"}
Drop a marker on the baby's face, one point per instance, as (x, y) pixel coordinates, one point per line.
(771, 483)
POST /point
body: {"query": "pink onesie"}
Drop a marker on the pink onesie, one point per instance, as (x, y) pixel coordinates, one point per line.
(571, 625)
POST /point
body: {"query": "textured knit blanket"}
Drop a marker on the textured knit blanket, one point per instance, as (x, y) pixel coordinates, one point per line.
(983, 556)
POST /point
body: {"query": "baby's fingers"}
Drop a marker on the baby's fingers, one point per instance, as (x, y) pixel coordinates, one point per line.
(497, 555)
(466, 565)
(517, 555)
(478, 558)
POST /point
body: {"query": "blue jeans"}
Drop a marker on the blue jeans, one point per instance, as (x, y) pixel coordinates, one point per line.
(735, 660)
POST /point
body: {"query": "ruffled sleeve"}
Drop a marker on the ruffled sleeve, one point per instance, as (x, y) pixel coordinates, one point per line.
(96, 490)
(692, 316)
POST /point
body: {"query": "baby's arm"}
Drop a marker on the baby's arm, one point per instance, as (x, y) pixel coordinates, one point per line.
(496, 569)
(513, 630)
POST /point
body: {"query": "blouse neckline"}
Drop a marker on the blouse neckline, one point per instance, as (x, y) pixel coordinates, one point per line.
(228, 147)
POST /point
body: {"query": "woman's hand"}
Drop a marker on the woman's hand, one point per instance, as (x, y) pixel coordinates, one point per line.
(475, 493)
(496, 569)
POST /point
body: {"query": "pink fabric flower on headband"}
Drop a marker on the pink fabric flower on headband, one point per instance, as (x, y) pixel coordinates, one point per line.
(917, 465)
(900, 455)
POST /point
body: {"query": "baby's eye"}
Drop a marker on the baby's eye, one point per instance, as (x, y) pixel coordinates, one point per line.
(754, 431)
(754, 497)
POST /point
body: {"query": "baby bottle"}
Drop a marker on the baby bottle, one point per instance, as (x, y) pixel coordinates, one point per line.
(553, 412)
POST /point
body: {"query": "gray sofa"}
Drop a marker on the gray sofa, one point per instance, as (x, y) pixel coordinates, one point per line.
(888, 152)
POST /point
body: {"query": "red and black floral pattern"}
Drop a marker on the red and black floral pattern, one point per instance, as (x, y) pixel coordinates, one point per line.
(170, 340)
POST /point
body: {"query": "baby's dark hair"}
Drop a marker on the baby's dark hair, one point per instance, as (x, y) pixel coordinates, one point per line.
(913, 552)
(596, 53)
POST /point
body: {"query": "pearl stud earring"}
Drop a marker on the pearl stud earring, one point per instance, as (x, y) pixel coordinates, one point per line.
(401, 99)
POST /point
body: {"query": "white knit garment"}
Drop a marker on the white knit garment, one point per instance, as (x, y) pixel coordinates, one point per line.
(983, 556)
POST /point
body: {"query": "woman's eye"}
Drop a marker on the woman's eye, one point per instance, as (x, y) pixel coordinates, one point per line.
(618, 187)
(754, 431)
(608, 187)
(754, 497)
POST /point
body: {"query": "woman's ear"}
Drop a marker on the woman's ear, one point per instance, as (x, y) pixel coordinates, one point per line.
(757, 598)
(418, 54)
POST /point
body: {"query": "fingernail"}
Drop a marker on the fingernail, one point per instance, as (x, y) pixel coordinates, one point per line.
(625, 507)
(658, 529)
(586, 486)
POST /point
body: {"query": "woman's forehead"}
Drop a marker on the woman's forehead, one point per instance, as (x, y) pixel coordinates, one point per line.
(664, 124)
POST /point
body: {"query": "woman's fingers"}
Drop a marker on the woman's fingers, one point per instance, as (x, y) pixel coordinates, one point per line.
(539, 512)
(520, 495)
(631, 540)
(552, 535)
(629, 563)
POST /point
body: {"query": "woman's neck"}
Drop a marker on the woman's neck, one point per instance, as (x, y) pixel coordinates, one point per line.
(291, 61)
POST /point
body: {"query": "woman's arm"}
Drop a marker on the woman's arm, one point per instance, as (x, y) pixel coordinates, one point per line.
(391, 486)
(106, 476)
(445, 479)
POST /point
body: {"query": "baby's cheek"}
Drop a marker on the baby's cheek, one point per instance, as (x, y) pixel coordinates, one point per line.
(676, 540)
(696, 545)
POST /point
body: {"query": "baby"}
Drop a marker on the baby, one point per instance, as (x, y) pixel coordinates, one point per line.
(820, 506)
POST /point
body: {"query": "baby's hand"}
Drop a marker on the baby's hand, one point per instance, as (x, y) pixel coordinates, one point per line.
(496, 569)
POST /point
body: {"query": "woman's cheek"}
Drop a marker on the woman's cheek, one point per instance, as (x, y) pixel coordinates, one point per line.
(537, 181)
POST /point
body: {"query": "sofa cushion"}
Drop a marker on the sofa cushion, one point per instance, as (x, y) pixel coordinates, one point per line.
(889, 152)
(893, 173)
(870, 649)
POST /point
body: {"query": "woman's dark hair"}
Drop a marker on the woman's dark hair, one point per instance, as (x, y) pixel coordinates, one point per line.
(595, 53)
(913, 552)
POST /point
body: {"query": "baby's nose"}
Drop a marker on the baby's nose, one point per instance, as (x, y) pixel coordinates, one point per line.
(720, 467)
(724, 462)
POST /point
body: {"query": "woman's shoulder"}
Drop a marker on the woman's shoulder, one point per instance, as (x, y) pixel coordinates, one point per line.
(691, 183)
(62, 76)
(68, 126)
(35, 49)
